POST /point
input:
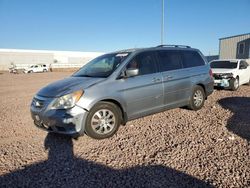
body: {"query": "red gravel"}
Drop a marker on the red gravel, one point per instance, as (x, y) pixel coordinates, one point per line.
(175, 148)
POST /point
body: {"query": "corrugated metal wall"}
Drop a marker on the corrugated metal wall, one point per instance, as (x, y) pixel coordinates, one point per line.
(6, 58)
(228, 46)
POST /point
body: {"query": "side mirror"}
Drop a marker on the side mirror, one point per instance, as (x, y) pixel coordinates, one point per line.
(130, 72)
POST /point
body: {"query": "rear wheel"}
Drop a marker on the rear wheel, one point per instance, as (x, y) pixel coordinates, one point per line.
(44, 70)
(197, 98)
(103, 120)
(234, 84)
(31, 71)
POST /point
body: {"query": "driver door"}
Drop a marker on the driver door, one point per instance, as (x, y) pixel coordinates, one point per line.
(143, 93)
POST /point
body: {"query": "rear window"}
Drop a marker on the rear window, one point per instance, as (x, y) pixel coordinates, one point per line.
(192, 59)
(223, 64)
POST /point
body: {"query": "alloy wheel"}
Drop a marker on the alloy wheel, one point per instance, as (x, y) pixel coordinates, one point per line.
(103, 121)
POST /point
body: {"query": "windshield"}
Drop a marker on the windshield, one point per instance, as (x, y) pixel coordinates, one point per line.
(223, 64)
(102, 66)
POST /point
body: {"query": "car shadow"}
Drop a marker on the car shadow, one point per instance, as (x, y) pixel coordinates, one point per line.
(239, 123)
(63, 169)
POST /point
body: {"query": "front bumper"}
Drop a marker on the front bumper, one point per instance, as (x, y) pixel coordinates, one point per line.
(68, 122)
(225, 83)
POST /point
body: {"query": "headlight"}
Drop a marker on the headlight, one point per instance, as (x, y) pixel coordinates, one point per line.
(67, 101)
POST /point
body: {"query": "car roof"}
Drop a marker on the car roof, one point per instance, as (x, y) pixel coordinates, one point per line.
(160, 47)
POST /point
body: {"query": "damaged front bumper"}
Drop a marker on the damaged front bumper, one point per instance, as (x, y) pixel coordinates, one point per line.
(64, 121)
(223, 80)
(222, 83)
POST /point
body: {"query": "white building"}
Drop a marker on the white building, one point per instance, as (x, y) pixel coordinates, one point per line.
(24, 58)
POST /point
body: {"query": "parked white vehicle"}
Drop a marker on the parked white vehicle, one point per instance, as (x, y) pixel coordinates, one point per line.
(231, 73)
(37, 68)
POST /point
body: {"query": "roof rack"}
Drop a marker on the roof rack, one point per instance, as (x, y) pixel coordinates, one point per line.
(175, 46)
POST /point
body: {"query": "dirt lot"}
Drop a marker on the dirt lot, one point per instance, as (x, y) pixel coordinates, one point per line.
(176, 148)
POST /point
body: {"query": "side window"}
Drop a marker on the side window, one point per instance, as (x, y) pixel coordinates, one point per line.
(192, 59)
(145, 62)
(243, 64)
(36, 66)
(170, 60)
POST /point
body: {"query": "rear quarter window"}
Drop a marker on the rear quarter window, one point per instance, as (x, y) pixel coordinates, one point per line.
(192, 59)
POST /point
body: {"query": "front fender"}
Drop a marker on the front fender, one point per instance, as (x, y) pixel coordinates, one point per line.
(88, 103)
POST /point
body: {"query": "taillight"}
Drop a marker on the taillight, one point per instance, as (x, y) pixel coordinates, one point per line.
(211, 73)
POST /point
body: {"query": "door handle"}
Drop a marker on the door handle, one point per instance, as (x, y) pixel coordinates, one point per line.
(168, 77)
(155, 80)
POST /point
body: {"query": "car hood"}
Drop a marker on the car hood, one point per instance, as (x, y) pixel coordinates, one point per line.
(220, 71)
(68, 85)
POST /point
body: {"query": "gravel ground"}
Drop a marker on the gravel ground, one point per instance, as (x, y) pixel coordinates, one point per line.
(175, 148)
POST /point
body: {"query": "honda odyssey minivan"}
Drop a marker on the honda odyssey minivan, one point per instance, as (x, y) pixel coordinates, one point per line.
(121, 86)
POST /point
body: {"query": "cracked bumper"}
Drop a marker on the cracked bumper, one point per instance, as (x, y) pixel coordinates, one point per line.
(68, 122)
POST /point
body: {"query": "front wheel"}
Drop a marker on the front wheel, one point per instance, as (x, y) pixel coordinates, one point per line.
(234, 84)
(103, 120)
(197, 99)
(248, 83)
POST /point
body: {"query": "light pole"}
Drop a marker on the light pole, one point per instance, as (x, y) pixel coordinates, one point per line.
(162, 24)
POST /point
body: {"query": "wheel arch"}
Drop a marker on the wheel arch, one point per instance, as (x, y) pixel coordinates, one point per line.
(238, 77)
(203, 87)
(116, 102)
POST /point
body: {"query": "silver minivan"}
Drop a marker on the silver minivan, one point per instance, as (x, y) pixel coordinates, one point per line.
(121, 86)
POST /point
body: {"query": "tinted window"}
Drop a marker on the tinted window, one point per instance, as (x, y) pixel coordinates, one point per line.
(243, 64)
(170, 60)
(246, 64)
(223, 64)
(192, 59)
(145, 62)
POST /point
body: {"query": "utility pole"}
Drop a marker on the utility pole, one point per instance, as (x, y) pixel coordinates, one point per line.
(162, 24)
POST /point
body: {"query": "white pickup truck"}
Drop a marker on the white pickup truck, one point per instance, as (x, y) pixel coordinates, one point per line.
(37, 68)
(231, 73)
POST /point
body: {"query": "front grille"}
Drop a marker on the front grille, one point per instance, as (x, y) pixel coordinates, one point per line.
(39, 102)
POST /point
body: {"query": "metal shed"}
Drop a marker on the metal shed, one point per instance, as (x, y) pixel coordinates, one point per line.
(235, 47)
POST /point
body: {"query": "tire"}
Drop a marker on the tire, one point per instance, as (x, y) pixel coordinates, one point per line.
(197, 99)
(30, 71)
(44, 70)
(103, 120)
(234, 84)
(248, 83)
